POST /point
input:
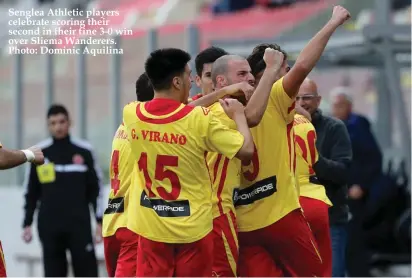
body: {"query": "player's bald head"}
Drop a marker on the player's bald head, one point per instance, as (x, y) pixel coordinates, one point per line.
(308, 97)
(221, 65)
(308, 87)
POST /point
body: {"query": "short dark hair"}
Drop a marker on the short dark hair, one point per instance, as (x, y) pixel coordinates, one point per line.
(144, 89)
(165, 64)
(256, 62)
(57, 109)
(208, 56)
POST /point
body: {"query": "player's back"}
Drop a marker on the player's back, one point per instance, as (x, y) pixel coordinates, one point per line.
(306, 156)
(225, 172)
(121, 171)
(170, 141)
(268, 190)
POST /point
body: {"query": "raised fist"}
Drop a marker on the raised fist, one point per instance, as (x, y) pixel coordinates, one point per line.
(340, 15)
(38, 155)
(241, 89)
(232, 107)
(273, 58)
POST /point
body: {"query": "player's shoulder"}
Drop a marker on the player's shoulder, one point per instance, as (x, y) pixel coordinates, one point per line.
(120, 137)
(218, 112)
(278, 85)
(197, 117)
(129, 110)
(300, 119)
(298, 116)
(199, 95)
(131, 105)
(195, 97)
(215, 107)
(121, 127)
(197, 111)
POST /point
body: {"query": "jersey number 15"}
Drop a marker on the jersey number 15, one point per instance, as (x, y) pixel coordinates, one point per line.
(161, 174)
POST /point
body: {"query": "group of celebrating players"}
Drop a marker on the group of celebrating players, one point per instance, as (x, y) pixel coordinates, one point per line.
(221, 184)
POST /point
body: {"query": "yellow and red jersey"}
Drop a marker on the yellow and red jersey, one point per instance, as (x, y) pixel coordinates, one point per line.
(225, 172)
(268, 189)
(2, 263)
(170, 142)
(306, 156)
(121, 172)
(195, 97)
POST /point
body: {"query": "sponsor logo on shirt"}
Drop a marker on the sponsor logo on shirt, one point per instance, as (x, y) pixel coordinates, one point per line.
(115, 205)
(206, 111)
(121, 134)
(257, 191)
(235, 195)
(77, 159)
(166, 208)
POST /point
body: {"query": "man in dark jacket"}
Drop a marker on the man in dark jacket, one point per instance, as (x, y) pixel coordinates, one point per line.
(63, 189)
(364, 178)
(332, 169)
(366, 166)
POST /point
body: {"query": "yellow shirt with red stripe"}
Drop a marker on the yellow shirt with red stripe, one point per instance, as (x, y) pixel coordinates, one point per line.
(170, 141)
(225, 172)
(2, 260)
(121, 172)
(306, 156)
(195, 97)
(268, 189)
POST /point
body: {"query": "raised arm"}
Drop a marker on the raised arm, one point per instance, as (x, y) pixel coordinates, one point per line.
(241, 88)
(310, 55)
(257, 104)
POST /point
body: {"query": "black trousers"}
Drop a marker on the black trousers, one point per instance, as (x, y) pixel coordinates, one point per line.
(357, 255)
(78, 240)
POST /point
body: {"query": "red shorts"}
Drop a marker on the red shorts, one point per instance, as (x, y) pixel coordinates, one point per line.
(2, 263)
(317, 214)
(285, 248)
(225, 244)
(158, 259)
(120, 251)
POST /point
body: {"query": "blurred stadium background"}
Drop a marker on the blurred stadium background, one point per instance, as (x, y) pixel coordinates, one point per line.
(371, 55)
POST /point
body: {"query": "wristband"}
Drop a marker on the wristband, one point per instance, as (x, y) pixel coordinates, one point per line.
(29, 155)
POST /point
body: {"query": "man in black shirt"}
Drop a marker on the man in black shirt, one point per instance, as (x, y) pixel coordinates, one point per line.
(63, 189)
(332, 169)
